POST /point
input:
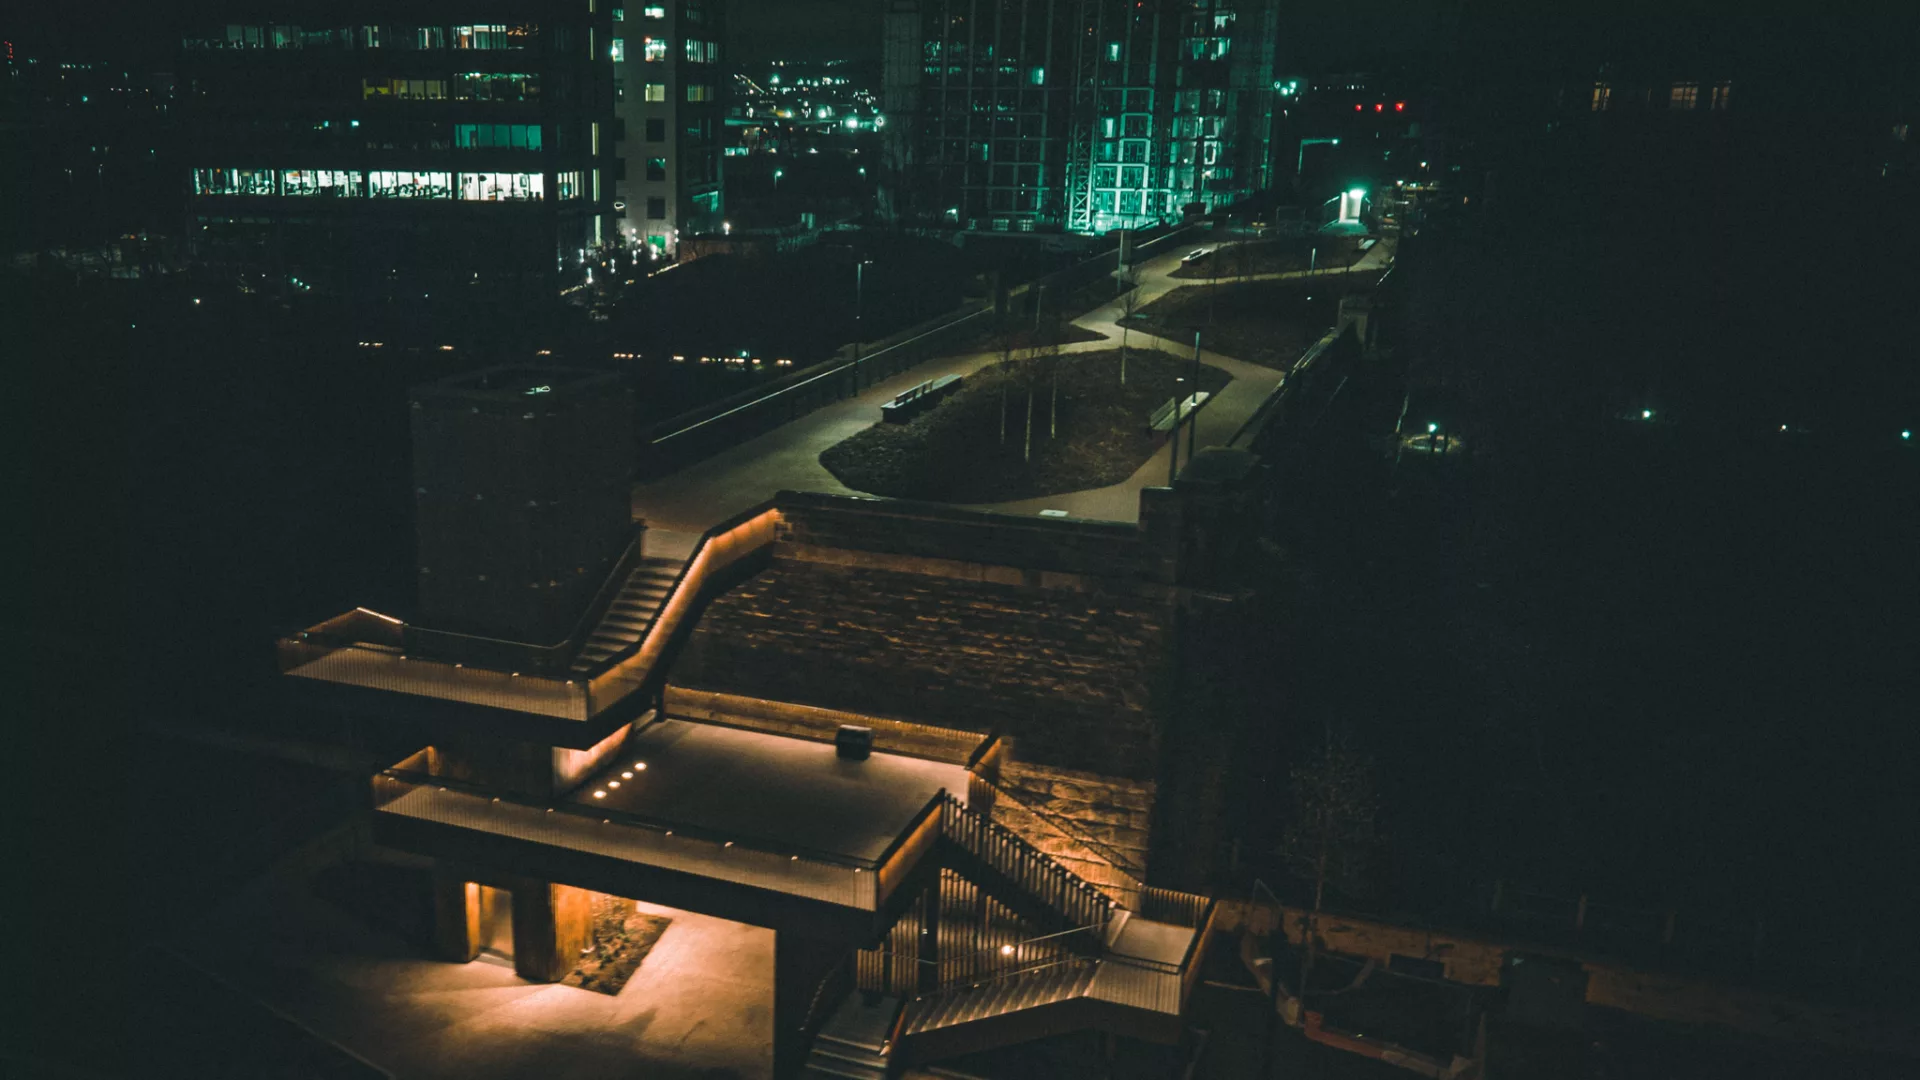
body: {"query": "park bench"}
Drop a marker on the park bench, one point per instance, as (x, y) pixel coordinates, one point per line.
(916, 400)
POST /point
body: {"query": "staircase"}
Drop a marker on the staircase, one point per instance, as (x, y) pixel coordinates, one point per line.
(853, 1043)
(997, 997)
(1002, 969)
(631, 612)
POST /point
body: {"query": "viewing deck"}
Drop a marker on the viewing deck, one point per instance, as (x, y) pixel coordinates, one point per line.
(817, 826)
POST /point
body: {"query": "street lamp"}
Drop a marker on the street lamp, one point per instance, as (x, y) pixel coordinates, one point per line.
(777, 174)
(1300, 165)
(859, 310)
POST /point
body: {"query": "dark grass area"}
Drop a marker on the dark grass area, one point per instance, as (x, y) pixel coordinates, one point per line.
(1020, 334)
(1273, 257)
(1269, 323)
(956, 453)
(622, 938)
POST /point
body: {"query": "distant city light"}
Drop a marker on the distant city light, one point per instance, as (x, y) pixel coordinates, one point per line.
(1907, 435)
(1646, 414)
(1433, 429)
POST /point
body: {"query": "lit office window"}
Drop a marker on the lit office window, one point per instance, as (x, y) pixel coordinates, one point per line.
(713, 53)
(656, 168)
(1037, 76)
(567, 184)
(409, 185)
(699, 92)
(233, 182)
(320, 182)
(1684, 96)
(491, 86)
(404, 89)
(430, 37)
(656, 91)
(502, 186)
(1602, 97)
(1113, 50)
(619, 14)
(694, 52)
(494, 36)
(655, 49)
(496, 136)
(618, 50)
(1721, 94)
(654, 11)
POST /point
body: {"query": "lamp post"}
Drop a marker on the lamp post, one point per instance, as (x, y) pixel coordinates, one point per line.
(1193, 431)
(1301, 165)
(859, 311)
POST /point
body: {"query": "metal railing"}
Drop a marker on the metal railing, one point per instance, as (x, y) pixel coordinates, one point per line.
(636, 666)
(316, 655)
(1103, 867)
(889, 971)
(1030, 870)
(684, 439)
(502, 655)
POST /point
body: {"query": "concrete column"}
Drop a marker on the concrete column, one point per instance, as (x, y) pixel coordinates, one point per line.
(799, 964)
(456, 915)
(552, 926)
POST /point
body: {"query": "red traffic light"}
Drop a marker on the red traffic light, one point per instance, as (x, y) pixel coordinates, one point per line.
(1357, 108)
(1399, 106)
(1379, 108)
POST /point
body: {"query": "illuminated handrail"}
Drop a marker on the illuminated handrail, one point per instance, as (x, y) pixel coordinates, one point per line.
(1030, 869)
(719, 548)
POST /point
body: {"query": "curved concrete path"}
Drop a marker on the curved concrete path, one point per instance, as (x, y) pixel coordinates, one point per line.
(683, 505)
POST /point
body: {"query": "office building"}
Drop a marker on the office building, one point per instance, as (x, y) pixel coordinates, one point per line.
(329, 149)
(669, 93)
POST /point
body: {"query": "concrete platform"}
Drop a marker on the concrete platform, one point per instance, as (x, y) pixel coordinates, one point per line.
(771, 790)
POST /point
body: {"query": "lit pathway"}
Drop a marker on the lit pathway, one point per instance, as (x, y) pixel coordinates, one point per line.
(681, 506)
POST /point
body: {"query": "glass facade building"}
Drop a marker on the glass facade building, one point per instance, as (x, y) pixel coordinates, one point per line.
(427, 154)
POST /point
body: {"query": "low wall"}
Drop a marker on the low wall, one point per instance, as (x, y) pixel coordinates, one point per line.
(1025, 547)
(1671, 997)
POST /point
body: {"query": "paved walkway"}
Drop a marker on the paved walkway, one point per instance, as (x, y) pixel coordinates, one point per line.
(681, 506)
(699, 1008)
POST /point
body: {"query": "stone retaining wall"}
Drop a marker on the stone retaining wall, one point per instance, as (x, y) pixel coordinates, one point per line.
(1070, 675)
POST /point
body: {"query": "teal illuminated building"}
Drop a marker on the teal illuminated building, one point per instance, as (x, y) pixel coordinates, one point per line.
(1079, 115)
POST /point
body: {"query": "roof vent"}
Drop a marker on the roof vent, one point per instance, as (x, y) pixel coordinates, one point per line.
(853, 742)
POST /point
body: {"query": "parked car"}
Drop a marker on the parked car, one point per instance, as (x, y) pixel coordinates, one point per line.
(1194, 256)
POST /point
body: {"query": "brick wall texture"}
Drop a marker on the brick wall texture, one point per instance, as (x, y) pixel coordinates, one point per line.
(1068, 673)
